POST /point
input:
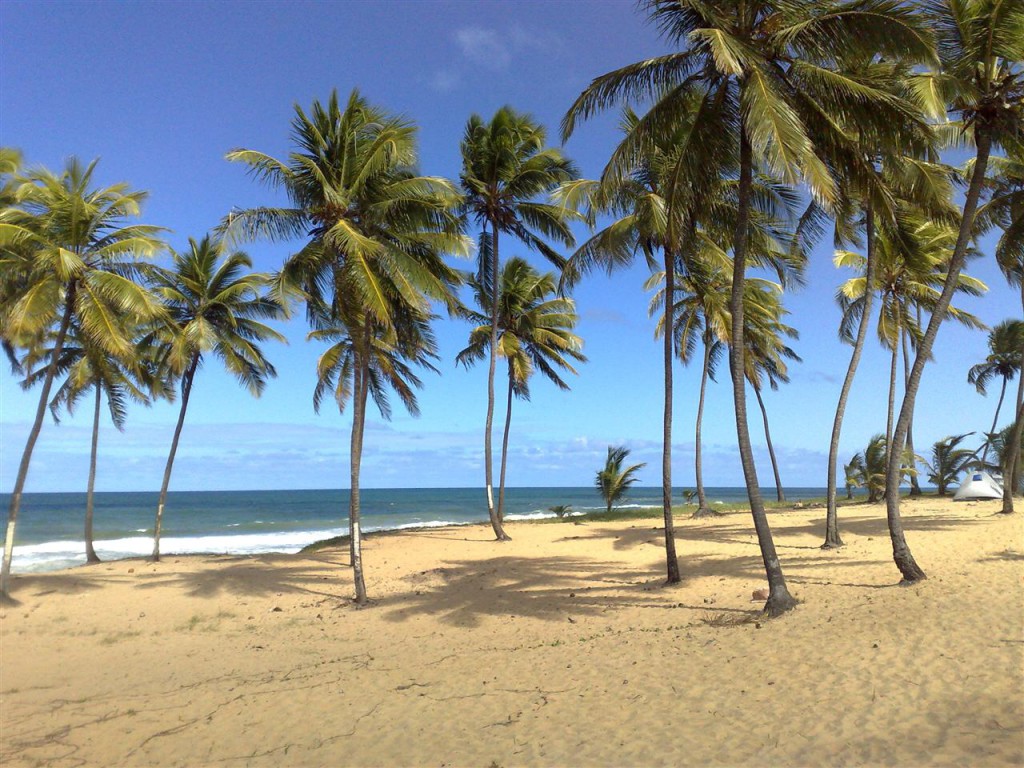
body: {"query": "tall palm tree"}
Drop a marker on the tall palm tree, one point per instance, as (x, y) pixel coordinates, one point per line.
(535, 333)
(981, 82)
(87, 370)
(215, 306)
(613, 480)
(376, 234)
(948, 461)
(506, 167)
(773, 81)
(766, 352)
(1005, 341)
(74, 256)
(658, 190)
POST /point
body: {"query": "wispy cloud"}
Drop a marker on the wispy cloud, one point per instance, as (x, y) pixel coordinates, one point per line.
(484, 47)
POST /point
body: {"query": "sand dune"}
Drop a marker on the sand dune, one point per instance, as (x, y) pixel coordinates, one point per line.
(561, 647)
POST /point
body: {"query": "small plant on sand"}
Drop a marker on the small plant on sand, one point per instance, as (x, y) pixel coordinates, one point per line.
(561, 510)
(613, 480)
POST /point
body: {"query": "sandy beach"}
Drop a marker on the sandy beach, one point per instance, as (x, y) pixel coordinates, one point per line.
(559, 648)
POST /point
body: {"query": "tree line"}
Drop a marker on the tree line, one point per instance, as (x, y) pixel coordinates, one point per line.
(766, 126)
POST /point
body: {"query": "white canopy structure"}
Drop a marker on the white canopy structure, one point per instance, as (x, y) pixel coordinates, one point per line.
(979, 485)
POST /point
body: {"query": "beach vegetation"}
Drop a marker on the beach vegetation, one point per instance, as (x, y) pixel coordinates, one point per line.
(948, 461)
(535, 333)
(1004, 360)
(614, 479)
(215, 308)
(373, 261)
(506, 167)
(71, 254)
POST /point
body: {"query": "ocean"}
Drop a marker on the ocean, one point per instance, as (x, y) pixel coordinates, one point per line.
(49, 532)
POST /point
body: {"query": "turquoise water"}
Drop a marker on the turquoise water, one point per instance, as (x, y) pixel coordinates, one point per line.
(49, 532)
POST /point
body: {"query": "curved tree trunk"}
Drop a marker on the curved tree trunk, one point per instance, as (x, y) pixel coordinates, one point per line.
(504, 448)
(779, 598)
(780, 494)
(90, 553)
(186, 391)
(355, 462)
(492, 512)
(890, 420)
(703, 510)
(995, 421)
(30, 444)
(915, 486)
(1012, 469)
(832, 538)
(901, 554)
(671, 560)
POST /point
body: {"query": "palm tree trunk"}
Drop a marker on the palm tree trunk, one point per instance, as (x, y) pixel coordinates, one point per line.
(780, 494)
(703, 510)
(901, 554)
(779, 598)
(504, 448)
(671, 559)
(90, 553)
(915, 486)
(33, 435)
(1012, 469)
(832, 538)
(492, 513)
(186, 391)
(355, 462)
(891, 413)
(995, 420)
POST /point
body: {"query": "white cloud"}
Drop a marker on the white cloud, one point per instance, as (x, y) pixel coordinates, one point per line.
(484, 47)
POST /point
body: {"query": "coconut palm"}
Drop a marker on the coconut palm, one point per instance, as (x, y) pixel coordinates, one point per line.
(614, 479)
(981, 82)
(74, 257)
(87, 370)
(215, 306)
(773, 79)
(377, 234)
(535, 333)
(948, 461)
(854, 474)
(1005, 342)
(506, 166)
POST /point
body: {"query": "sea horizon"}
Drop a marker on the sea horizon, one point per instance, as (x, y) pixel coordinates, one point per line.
(250, 522)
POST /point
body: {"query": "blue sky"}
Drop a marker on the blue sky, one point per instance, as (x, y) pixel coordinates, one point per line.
(159, 91)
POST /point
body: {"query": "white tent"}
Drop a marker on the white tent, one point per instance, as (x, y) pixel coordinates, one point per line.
(980, 485)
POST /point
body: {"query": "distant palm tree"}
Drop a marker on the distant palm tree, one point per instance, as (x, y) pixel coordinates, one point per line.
(506, 166)
(215, 307)
(377, 233)
(948, 461)
(855, 474)
(86, 369)
(534, 333)
(614, 480)
(73, 256)
(1005, 343)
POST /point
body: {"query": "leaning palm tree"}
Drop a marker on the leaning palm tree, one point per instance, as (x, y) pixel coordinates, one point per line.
(613, 480)
(377, 234)
(981, 82)
(87, 370)
(1005, 342)
(535, 333)
(773, 78)
(214, 306)
(506, 166)
(75, 256)
(948, 461)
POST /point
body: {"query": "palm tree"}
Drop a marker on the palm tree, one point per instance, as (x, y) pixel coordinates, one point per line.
(213, 305)
(74, 257)
(855, 474)
(766, 353)
(613, 480)
(982, 82)
(1005, 342)
(535, 333)
(772, 79)
(505, 168)
(948, 461)
(377, 233)
(86, 369)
